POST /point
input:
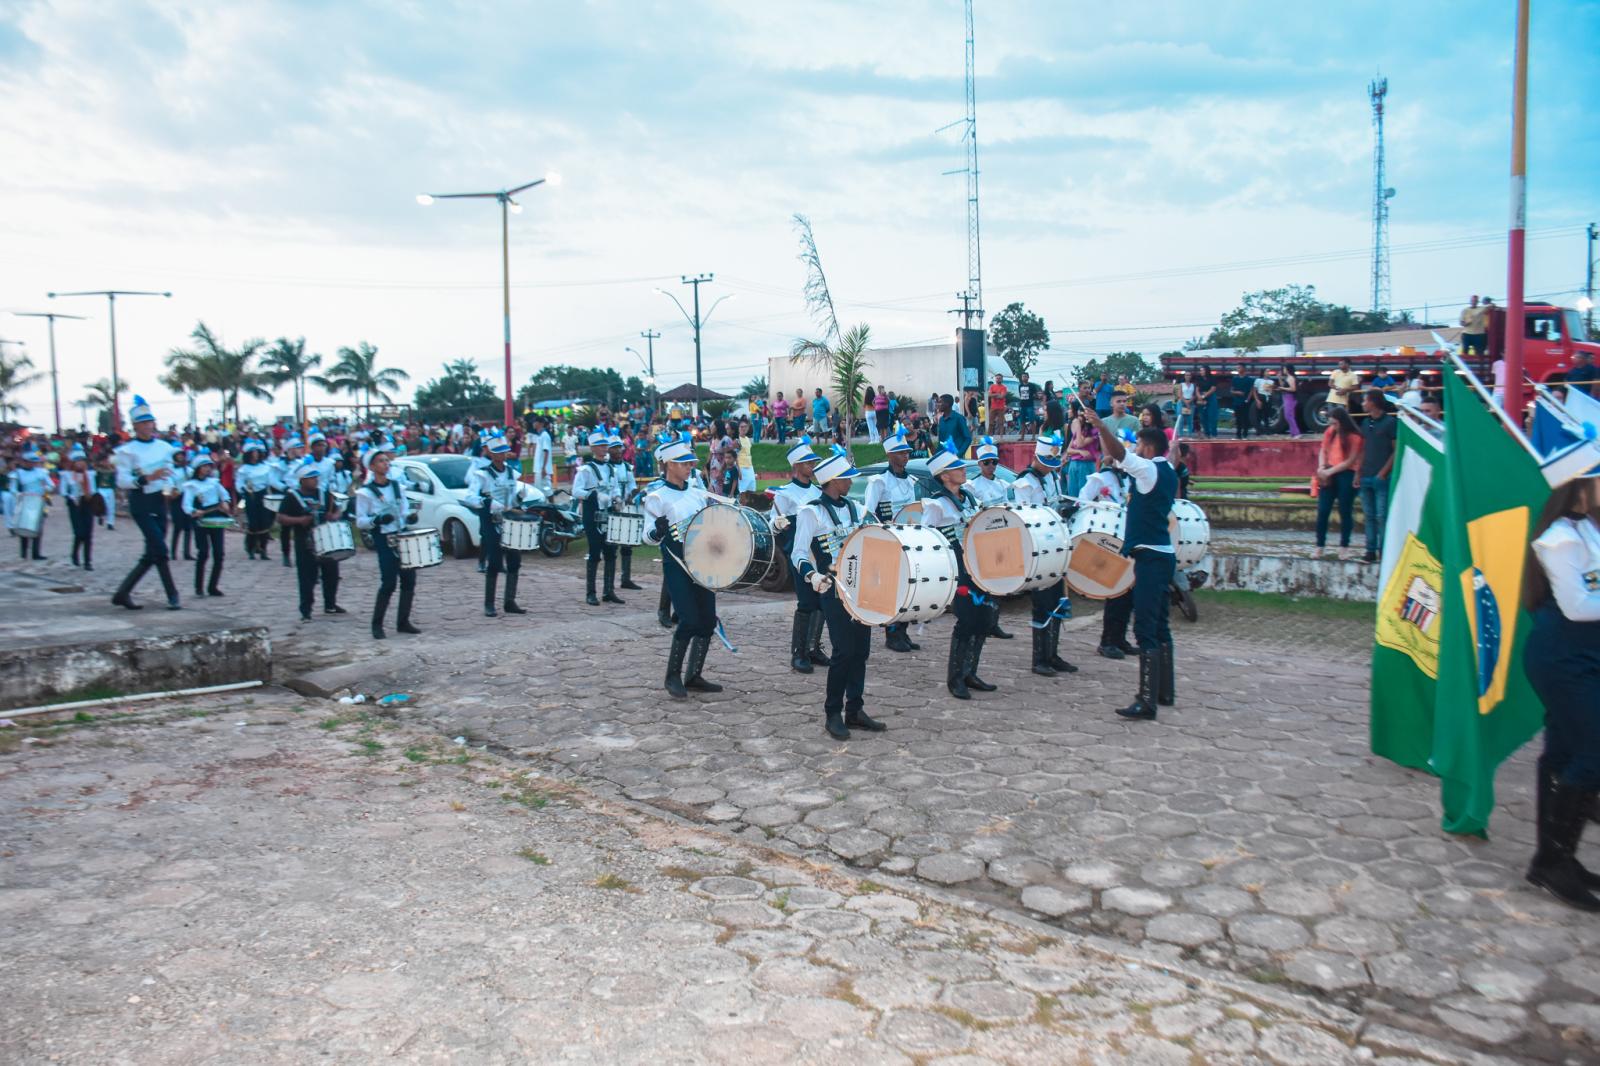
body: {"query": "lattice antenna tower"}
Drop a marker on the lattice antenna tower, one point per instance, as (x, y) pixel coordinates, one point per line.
(972, 299)
(1382, 193)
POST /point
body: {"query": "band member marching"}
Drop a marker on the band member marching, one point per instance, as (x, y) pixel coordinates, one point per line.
(805, 636)
(592, 487)
(77, 488)
(664, 613)
(819, 528)
(1040, 486)
(306, 506)
(947, 511)
(30, 479)
(886, 494)
(495, 487)
(989, 490)
(626, 487)
(666, 510)
(144, 466)
(1148, 540)
(284, 479)
(204, 497)
(182, 528)
(252, 480)
(381, 507)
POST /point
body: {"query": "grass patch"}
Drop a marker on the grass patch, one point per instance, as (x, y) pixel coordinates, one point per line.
(845, 992)
(1268, 977)
(1277, 601)
(679, 873)
(780, 902)
(538, 858)
(870, 886)
(369, 746)
(1044, 1010)
(416, 754)
(773, 457)
(531, 798)
(612, 881)
(83, 718)
(963, 1019)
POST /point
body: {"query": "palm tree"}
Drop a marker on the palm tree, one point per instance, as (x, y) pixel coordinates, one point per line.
(843, 355)
(754, 389)
(16, 374)
(98, 395)
(286, 363)
(211, 366)
(357, 372)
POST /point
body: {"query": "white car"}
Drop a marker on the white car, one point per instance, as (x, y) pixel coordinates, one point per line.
(437, 484)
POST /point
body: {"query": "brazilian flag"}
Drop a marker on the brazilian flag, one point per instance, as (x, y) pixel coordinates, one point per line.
(1484, 708)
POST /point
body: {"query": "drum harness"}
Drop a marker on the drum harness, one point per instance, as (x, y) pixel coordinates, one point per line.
(956, 533)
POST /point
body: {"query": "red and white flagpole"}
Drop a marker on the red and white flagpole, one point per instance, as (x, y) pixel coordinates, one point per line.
(1515, 327)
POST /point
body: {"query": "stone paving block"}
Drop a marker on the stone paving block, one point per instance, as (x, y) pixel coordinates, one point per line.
(728, 888)
(1503, 980)
(1219, 901)
(991, 1001)
(1054, 902)
(854, 845)
(1414, 974)
(1271, 932)
(1302, 1045)
(1185, 930)
(950, 868)
(1482, 1019)
(1139, 902)
(1296, 899)
(1326, 970)
(1094, 874)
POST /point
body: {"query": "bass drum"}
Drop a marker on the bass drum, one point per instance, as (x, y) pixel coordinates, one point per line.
(1097, 568)
(728, 548)
(520, 532)
(28, 522)
(1011, 548)
(890, 574)
(909, 514)
(1191, 533)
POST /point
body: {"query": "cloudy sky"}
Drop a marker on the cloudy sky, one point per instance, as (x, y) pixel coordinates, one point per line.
(1143, 164)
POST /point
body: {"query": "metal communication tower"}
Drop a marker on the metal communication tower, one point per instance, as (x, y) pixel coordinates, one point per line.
(972, 299)
(1377, 90)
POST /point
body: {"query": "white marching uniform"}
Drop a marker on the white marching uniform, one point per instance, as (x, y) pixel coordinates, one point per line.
(592, 480)
(888, 492)
(988, 490)
(498, 488)
(543, 459)
(1037, 490)
(816, 520)
(788, 500)
(137, 456)
(1103, 487)
(254, 477)
(201, 494)
(381, 509)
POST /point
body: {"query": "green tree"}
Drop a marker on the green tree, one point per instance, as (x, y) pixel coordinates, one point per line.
(754, 389)
(1019, 336)
(357, 373)
(1116, 364)
(98, 395)
(842, 354)
(460, 393)
(211, 366)
(286, 363)
(561, 382)
(16, 374)
(1288, 315)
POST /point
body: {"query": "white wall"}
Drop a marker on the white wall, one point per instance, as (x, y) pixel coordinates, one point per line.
(914, 372)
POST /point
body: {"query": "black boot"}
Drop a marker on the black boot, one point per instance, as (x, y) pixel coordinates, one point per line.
(1166, 683)
(1057, 663)
(510, 604)
(955, 671)
(1124, 647)
(1041, 652)
(895, 639)
(610, 581)
(856, 718)
(697, 661)
(995, 631)
(1555, 866)
(975, 653)
(591, 567)
(489, 587)
(799, 634)
(1143, 706)
(402, 620)
(675, 689)
(330, 596)
(834, 724)
(627, 575)
(124, 594)
(380, 610)
(1111, 651)
(814, 650)
(1545, 784)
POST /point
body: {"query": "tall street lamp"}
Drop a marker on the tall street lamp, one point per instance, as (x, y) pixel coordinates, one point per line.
(649, 371)
(55, 383)
(696, 321)
(116, 381)
(507, 204)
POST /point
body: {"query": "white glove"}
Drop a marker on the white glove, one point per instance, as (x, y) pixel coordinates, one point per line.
(820, 582)
(779, 523)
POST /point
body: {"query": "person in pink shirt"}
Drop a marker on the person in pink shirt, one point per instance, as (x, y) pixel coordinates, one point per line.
(780, 417)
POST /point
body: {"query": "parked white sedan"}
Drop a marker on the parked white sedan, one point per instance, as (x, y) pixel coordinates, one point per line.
(437, 484)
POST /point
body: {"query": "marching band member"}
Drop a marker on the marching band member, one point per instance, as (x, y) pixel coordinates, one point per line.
(252, 480)
(543, 455)
(1103, 487)
(1040, 486)
(947, 511)
(805, 636)
(493, 486)
(182, 528)
(203, 496)
(832, 512)
(666, 510)
(886, 494)
(144, 465)
(77, 488)
(664, 613)
(626, 487)
(381, 507)
(284, 480)
(1149, 542)
(30, 479)
(305, 505)
(105, 484)
(326, 463)
(592, 488)
(989, 490)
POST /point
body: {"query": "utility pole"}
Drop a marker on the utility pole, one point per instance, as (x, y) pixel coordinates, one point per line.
(1517, 238)
(116, 380)
(696, 321)
(650, 336)
(1588, 279)
(55, 383)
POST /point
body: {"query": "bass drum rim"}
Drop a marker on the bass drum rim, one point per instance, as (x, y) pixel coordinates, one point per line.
(759, 528)
(1034, 576)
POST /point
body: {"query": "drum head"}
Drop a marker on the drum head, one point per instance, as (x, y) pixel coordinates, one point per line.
(1098, 569)
(910, 514)
(871, 572)
(996, 550)
(718, 546)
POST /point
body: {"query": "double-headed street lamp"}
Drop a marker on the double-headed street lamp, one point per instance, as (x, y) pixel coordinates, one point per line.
(55, 384)
(649, 371)
(116, 381)
(696, 321)
(507, 205)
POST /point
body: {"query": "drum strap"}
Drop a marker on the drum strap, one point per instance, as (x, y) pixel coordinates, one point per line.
(1061, 612)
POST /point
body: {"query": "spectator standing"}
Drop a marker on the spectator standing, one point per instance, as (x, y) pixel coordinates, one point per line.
(1475, 328)
(747, 458)
(1288, 384)
(1382, 379)
(1343, 385)
(1027, 400)
(1261, 409)
(1335, 479)
(1083, 453)
(1243, 387)
(997, 406)
(972, 408)
(1054, 416)
(821, 412)
(797, 412)
(1103, 391)
(1377, 459)
(869, 412)
(1206, 397)
(953, 427)
(1584, 374)
(1183, 398)
(1119, 421)
(780, 418)
(880, 413)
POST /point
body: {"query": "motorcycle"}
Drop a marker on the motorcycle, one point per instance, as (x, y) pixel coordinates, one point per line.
(558, 514)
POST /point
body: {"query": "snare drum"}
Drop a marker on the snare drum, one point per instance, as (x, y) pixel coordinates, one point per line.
(272, 501)
(216, 521)
(625, 528)
(727, 548)
(1097, 568)
(520, 532)
(28, 520)
(1011, 548)
(333, 540)
(417, 548)
(890, 574)
(1191, 533)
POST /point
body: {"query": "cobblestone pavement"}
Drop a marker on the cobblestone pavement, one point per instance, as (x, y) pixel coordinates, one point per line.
(1248, 829)
(223, 881)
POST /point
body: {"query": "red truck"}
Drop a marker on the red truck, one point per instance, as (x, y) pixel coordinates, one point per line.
(1553, 334)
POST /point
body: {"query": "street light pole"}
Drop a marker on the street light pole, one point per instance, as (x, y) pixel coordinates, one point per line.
(507, 205)
(116, 381)
(696, 322)
(1591, 234)
(650, 336)
(55, 380)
